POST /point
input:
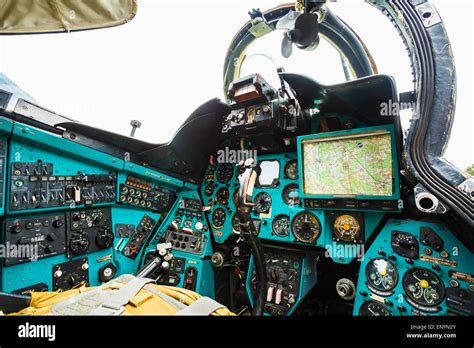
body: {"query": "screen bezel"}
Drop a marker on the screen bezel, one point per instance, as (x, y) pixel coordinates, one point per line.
(351, 134)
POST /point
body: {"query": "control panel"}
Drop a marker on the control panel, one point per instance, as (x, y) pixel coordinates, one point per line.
(187, 231)
(89, 230)
(65, 223)
(70, 274)
(146, 195)
(285, 287)
(36, 237)
(33, 185)
(280, 211)
(139, 237)
(415, 268)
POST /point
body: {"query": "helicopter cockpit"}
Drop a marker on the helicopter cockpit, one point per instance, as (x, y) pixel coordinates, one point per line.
(290, 196)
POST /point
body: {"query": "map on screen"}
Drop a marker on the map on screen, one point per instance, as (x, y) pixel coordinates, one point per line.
(351, 165)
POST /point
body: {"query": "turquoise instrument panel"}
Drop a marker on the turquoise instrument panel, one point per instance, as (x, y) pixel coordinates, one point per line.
(341, 233)
(84, 216)
(415, 268)
(188, 233)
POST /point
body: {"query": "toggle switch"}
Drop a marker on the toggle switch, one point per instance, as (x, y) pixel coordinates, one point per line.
(278, 296)
(270, 293)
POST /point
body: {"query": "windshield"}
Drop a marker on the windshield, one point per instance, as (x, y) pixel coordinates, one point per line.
(168, 60)
(326, 66)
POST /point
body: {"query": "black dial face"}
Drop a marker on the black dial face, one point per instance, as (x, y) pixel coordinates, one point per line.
(222, 196)
(373, 308)
(281, 225)
(263, 203)
(235, 224)
(291, 195)
(225, 172)
(346, 228)
(218, 218)
(381, 274)
(291, 170)
(209, 189)
(423, 286)
(306, 227)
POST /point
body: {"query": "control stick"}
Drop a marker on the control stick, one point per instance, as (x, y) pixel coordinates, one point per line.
(159, 264)
(248, 231)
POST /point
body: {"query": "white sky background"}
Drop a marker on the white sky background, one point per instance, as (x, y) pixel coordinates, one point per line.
(169, 60)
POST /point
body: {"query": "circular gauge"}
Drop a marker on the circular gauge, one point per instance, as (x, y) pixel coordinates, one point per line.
(209, 189)
(263, 202)
(346, 228)
(235, 224)
(423, 286)
(291, 169)
(306, 227)
(225, 172)
(222, 196)
(291, 195)
(218, 218)
(373, 308)
(281, 225)
(381, 274)
(177, 221)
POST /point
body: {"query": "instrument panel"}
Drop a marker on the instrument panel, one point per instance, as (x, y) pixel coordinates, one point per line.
(290, 275)
(280, 208)
(415, 268)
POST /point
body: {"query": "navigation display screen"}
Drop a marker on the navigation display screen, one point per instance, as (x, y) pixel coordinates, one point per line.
(357, 164)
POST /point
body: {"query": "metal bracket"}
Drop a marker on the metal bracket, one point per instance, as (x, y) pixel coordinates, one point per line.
(467, 187)
(428, 14)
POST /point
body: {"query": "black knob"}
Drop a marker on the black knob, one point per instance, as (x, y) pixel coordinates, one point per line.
(16, 228)
(79, 243)
(104, 239)
(58, 223)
